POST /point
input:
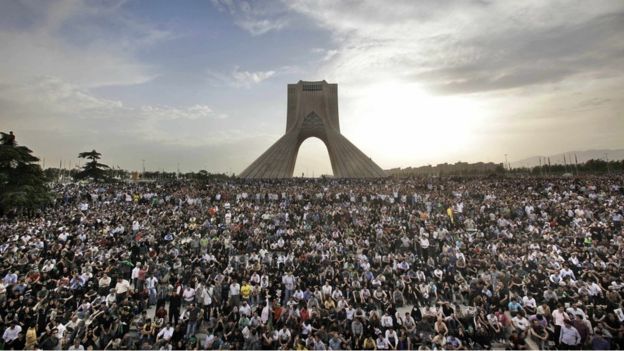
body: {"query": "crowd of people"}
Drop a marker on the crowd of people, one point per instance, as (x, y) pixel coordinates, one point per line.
(318, 264)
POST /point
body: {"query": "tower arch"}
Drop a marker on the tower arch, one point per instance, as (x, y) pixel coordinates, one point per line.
(312, 112)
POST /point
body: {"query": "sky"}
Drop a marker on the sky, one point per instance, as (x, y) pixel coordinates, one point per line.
(202, 84)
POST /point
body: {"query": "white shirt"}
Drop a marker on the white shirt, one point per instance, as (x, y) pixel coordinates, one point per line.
(11, 334)
(135, 272)
(122, 287)
(569, 335)
(386, 321)
(189, 294)
(234, 289)
(530, 302)
(289, 282)
(594, 289)
(245, 310)
(165, 333)
(520, 322)
(283, 334)
(558, 317)
(566, 273)
(151, 282)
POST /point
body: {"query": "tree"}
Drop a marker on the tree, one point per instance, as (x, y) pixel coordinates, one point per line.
(23, 185)
(93, 169)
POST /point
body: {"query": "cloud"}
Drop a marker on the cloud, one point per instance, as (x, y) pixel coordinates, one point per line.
(469, 47)
(480, 75)
(171, 113)
(246, 78)
(238, 78)
(85, 43)
(68, 106)
(255, 17)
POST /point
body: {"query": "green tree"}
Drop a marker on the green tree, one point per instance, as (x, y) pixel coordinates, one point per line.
(93, 169)
(23, 185)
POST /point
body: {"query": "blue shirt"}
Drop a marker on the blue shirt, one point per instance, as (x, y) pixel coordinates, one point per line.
(514, 306)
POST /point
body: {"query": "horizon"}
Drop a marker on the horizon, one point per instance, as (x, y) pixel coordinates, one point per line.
(200, 85)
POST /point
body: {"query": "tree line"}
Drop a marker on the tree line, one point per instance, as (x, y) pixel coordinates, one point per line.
(25, 186)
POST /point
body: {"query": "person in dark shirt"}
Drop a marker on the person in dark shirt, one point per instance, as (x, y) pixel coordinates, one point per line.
(599, 342)
(191, 326)
(50, 341)
(175, 301)
(517, 341)
(582, 328)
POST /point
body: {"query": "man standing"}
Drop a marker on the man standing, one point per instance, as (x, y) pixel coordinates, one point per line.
(174, 307)
(121, 289)
(193, 315)
(235, 290)
(559, 316)
(151, 283)
(289, 286)
(569, 337)
(135, 275)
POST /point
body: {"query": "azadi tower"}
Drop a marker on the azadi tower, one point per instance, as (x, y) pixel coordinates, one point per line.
(313, 112)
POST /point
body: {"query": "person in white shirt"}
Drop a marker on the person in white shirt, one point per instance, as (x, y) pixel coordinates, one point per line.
(326, 290)
(289, 285)
(386, 321)
(188, 295)
(529, 303)
(11, 335)
(135, 275)
(565, 271)
(298, 295)
(121, 289)
(576, 311)
(424, 244)
(151, 282)
(569, 336)
(245, 309)
(382, 342)
(234, 294)
(10, 278)
(110, 298)
(559, 316)
(392, 337)
(76, 346)
(284, 335)
(104, 284)
(210, 338)
(521, 323)
(165, 333)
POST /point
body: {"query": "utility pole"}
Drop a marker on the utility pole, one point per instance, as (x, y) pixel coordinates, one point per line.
(143, 161)
(507, 163)
(607, 160)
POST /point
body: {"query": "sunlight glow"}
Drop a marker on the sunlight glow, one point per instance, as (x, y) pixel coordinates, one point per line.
(415, 125)
(313, 159)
